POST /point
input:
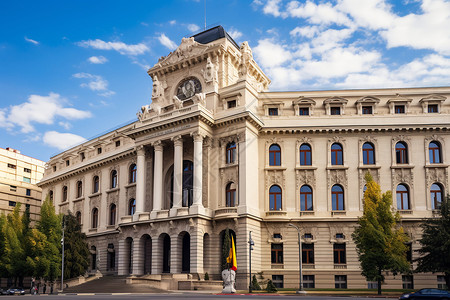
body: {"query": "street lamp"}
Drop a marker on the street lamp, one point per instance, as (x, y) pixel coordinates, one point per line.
(300, 284)
(251, 243)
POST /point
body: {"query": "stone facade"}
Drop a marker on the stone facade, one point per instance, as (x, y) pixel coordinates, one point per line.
(216, 150)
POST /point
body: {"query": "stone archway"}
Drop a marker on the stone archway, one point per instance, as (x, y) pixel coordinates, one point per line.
(165, 247)
(185, 252)
(146, 244)
(128, 255)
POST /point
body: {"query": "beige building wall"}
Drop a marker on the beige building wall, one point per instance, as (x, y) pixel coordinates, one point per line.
(179, 145)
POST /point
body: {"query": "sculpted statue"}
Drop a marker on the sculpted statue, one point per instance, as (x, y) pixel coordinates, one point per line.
(246, 57)
(229, 278)
(199, 98)
(177, 102)
(210, 72)
(158, 94)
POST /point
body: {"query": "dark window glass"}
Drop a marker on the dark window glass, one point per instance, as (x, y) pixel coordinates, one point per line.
(12, 203)
(132, 207)
(28, 193)
(230, 194)
(305, 155)
(82, 156)
(11, 166)
(340, 235)
(337, 197)
(402, 197)
(112, 214)
(67, 162)
(436, 196)
(401, 153)
(278, 281)
(335, 110)
(433, 108)
(95, 218)
(26, 170)
(367, 110)
(339, 253)
(306, 198)
(79, 189)
(277, 235)
(117, 143)
(96, 186)
(368, 154)
(132, 175)
(113, 179)
(303, 111)
(399, 109)
(275, 155)
(231, 103)
(308, 236)
(78, 217)
(64, 193)
(307, 253)
(275, 198)
(308, 281)
(407, 282)
(273, 111)
(27, 206)
(99, 150)
(434, 149)
(337, 156)
(231, 152)
(277, 253)
(340, 281)
(51, 195)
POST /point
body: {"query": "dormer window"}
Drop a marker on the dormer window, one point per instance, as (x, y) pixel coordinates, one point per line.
(433, 108)
(273, 108)
(231, 104)
(67, 163)
(367, 105)
(82, 156)
(399, 105)
(432, 104)
(303, 111)
(399, 109)
(367, 110)
(303, 106)
(54, 168)
(335, 106)
(99, 150)
(117, 143)
(273, 111)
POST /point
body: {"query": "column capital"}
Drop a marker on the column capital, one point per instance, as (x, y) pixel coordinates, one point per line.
(177, 140)
(140, 150)
(158, 145)
(197, 136)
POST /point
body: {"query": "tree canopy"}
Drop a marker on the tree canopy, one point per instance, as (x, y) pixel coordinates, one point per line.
(380, 241)
(435, 242)
(76, 251)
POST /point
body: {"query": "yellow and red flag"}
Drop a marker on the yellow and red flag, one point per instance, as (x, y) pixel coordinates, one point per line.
(231, 259)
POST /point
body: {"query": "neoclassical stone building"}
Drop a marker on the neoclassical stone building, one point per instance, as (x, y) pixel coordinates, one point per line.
(216, 150)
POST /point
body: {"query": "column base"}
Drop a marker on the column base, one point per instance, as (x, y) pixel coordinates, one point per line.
(197, 209)
(173, 212)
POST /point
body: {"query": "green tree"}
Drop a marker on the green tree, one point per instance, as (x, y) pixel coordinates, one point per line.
(3, 271)
(50, 226)
(380, 241)
(226, 249)
(435, 242)
(255, 284)
(271, 288)
(76, 251)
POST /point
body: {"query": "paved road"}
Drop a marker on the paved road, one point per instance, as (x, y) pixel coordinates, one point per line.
(190, 295)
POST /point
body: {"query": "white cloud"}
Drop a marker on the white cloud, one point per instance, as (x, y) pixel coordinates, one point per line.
(235, 34)
(372, 14)
(271, 54)
(95, 83)
(193, 27)
(173, 22)
(62, 141)
(120, 47)
(42, 110)
(323, 13)
(272, 7)
(65, 125)
(306, 31)
(97, 59)
(168, 43)
(31, 41)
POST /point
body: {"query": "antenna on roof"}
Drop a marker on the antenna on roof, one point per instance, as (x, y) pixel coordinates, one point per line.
(205, 14)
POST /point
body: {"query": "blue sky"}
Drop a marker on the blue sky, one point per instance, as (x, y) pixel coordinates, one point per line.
(71, 70)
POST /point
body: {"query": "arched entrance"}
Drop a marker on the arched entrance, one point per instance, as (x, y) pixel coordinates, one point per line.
(111, 258)
(165, 238)
(206, 253)
(146, 242)
(185, 252)
(93, 258)
(129, 255)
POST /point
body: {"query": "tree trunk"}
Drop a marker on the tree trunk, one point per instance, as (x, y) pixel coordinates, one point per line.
(379, 281)
(447, 280)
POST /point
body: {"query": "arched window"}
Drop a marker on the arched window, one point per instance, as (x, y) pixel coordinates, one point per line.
(306, 198)
(112, 214)
(51, 195)
(78, 217)
(188, 183)
(305, 155)
(113, 179)
(132, 174)
(275, 198)
(436, 195)
(79, 189)
(402, 197)
(337, 157)
(132, 207)
(275, 155)
(231, 152)
(95, 218)
(368, 151)
(337, 197)
(96, 184)
(435, 152)
(64, 192)
(230, 195)
(401, 153)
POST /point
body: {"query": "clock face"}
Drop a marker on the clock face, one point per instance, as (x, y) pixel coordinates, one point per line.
(188, 88)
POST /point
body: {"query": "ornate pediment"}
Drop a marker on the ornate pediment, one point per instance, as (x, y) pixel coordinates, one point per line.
(187, 49)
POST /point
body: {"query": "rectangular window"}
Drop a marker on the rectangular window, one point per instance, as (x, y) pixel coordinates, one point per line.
(277, 235)
(273, 111)
(307, 236)
(432, 108)
(399, 109)
(12, 166)
(303, 111)
(441, 282)
(99, 150)
(27, 179)
(12, 203)
(117, 143)
(231, 103)
(308, 253)
(82, 156)
(340, 281)
(339, 253)
(308, 282)
(367, 110)
(54, 168)
(335, 110)
(372, 285)
(13, 188)
(278, 281)
(67, 162)
(28, 192)
(407, 282)
(277, 253)
(26, 170)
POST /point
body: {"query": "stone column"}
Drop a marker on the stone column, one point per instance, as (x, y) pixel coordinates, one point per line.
(138, 261)
(175, 254)
(158, 178)
(177, 174)
(157, 255)
(198, 168)
(197, 251)
(121, 259)
(140, 182)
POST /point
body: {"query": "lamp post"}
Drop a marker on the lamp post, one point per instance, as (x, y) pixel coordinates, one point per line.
(62, 261)
(250, 248)
(300, 284)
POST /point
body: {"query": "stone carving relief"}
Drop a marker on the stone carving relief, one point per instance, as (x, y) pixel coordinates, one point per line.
(334, 229)
(362, 173)
(210, 73)
(336, 139)
(188, 48)
(199, 98)
(275, 228)
(131, 192)
(246, 58)
(401, 137)
(112, 197)
(337, 177)
(433, 175)
(304, 177)
(95, 202)
(402, 175)
(275, 177)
